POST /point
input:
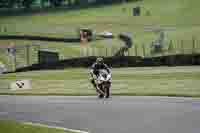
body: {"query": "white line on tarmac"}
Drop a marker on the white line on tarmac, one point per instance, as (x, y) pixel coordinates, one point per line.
(55, 127)
(3, 113)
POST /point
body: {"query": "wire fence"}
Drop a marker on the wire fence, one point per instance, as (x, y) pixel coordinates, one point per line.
(148, 50)
(26, 55)
(19, 56)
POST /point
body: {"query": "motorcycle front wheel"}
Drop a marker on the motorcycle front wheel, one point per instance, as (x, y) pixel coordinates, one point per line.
(100, 95)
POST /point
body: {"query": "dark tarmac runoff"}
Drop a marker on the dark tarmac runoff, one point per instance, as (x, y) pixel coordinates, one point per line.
(119, 114)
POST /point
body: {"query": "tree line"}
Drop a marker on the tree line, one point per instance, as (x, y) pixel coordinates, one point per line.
(55, 3)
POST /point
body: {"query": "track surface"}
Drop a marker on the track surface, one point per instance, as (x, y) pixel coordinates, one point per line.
(115, 115)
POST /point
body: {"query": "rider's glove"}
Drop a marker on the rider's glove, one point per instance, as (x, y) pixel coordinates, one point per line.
(94, 76)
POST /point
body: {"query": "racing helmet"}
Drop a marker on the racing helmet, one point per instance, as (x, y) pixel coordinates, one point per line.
(99, 60)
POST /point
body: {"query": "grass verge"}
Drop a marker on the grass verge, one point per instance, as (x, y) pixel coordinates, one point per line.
(7, 126)
(147, 81)
(179, 20)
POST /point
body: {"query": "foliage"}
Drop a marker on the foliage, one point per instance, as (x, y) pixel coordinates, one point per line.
(57, 3)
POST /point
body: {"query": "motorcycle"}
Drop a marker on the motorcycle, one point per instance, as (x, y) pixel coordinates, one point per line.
(103, 84)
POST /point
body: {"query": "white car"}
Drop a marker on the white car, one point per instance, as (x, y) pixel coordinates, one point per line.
(106, 34)
(2, 68)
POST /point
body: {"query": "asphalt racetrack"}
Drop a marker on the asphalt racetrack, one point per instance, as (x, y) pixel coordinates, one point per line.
(118, 114)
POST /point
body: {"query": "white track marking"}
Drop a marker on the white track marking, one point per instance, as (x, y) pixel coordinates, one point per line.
(55, 127)
(3, 113)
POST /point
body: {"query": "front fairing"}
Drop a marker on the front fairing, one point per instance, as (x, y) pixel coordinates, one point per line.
(102, 79)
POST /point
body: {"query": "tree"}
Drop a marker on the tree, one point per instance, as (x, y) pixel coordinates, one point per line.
(11, 3)
(42, 3)
(70, 3)
(8, 3)
(27, 3)
(56, 3)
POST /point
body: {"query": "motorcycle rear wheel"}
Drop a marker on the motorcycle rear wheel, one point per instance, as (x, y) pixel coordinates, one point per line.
(101, 96)
(107, 90)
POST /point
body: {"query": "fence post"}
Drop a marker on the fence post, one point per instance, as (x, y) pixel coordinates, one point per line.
(87, 52)
(109, 51)
(128, 51)
(91, 54)
(112, 50)
(193, 45)
(136, 50)
(182, 49)
(15, 61)
(28, 55)
(143, 47)
(96, 52)
(80, 52)
(197, 45)
(170, 48)
(93, 51)
(99, 51)
(178, 46)
(12, 54)
(83, 51)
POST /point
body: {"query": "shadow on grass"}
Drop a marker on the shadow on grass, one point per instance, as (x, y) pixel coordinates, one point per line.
(34, 10)
(114, 94)
(38, 38)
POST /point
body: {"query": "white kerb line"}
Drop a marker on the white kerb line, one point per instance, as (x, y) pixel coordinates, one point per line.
(55, 127)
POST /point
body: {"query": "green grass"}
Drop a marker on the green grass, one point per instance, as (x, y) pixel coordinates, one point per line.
(7, 126)
(161, 81)
(179, 15)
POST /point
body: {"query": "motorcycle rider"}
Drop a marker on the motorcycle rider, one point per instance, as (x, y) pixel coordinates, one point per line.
(94, 71)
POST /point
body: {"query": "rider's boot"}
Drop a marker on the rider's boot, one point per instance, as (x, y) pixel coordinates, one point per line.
(107, 95)
(93, 83)
(100, 95)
